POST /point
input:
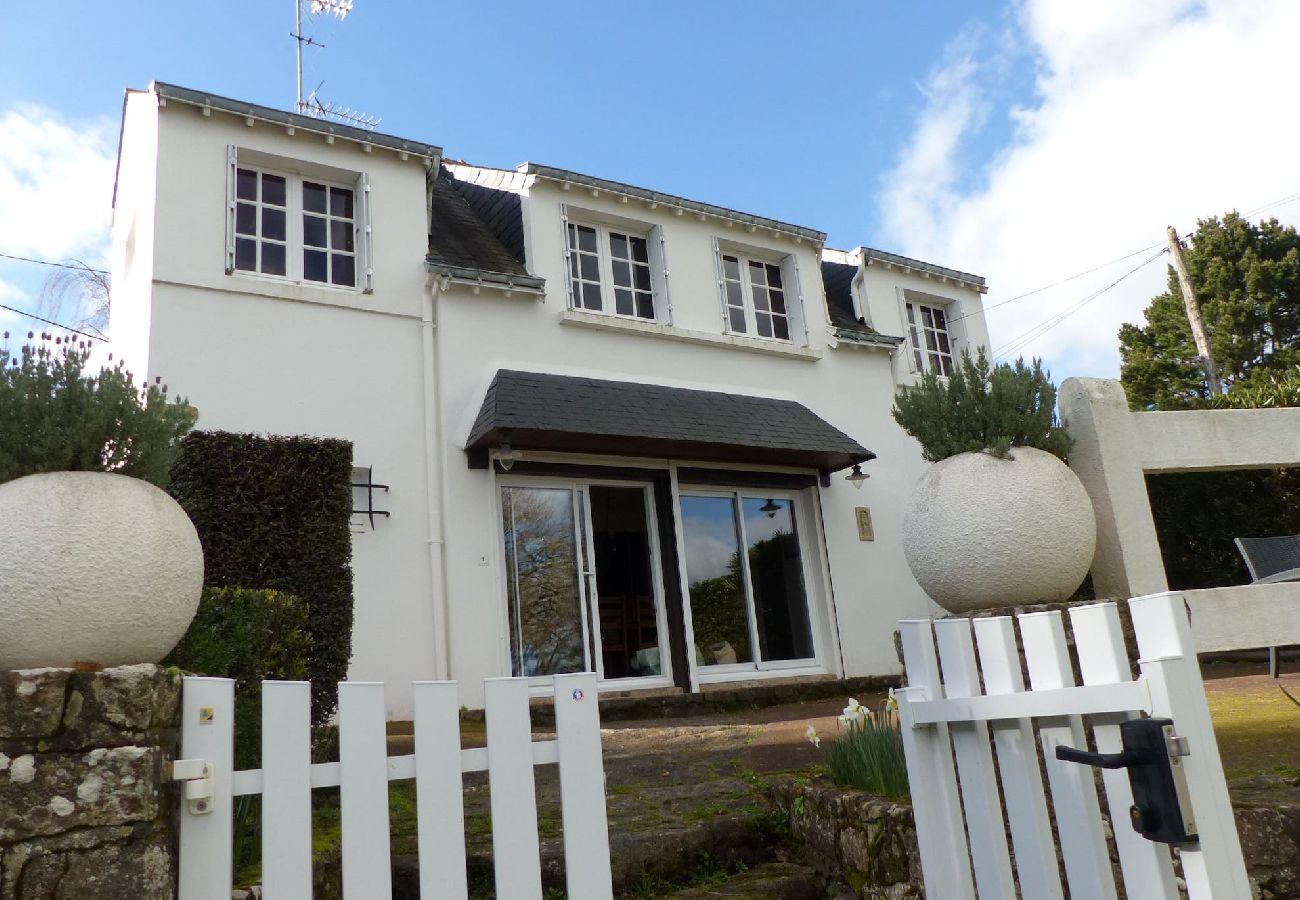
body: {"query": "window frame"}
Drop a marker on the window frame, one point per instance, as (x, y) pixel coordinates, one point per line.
(922, 360)
(791, 291)
(296, 174)
(605, 268)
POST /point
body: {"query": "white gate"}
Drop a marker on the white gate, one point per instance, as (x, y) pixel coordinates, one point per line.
(362, 773)
(946, 724)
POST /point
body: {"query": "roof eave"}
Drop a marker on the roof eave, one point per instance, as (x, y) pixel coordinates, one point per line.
(966, 279)
(471, 276)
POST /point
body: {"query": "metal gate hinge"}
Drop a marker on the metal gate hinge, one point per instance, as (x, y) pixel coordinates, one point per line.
(198, 777)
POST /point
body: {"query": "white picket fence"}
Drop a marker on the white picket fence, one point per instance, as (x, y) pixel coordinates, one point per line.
(362, 774)
(946, 724)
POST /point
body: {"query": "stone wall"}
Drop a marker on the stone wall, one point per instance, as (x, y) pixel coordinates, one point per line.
(860, 844)
(83, 810)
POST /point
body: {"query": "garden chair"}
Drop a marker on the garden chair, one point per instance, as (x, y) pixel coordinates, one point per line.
(1270, 560)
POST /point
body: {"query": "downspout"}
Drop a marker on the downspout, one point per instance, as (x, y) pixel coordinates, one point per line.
(434, 480)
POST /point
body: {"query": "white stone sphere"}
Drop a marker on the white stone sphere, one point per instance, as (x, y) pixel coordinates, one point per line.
(94, 568)
(983, 532)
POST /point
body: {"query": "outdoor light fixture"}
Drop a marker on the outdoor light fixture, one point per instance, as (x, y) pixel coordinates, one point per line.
(507, 455)
(771, 507)
(857, 476)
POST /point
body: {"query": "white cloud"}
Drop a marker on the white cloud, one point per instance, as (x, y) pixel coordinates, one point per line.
(56, 183)
(1143, 115)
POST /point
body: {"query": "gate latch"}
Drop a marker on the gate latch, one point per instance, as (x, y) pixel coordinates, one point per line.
(197, 775)
(1162, 809)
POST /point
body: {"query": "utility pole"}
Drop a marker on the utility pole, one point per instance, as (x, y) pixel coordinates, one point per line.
(1194, 313)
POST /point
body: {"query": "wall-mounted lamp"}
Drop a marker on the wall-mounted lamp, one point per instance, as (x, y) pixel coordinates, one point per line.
(507, 455)
(771, 507)
(857, 476)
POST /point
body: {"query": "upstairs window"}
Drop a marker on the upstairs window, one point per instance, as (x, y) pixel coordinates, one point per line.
(927, 328)
(297, 227)
(609, 272)
(755, 296)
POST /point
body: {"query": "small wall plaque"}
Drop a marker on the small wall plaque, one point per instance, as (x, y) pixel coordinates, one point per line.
(865, 531)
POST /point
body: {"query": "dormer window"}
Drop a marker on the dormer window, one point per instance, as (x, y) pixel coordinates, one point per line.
(927, 328)
(755, 295)
(609, 271)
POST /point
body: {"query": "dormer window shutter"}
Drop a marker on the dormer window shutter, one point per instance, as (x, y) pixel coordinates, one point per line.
(568, 265)
(792, 269)
(659, 275)
(366, 227)
(232, 162)
(722, 290)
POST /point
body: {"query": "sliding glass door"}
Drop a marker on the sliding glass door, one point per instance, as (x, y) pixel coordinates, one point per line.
(582, 588)
(749, 605)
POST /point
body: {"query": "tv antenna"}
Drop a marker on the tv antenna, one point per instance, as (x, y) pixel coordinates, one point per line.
(311, 104)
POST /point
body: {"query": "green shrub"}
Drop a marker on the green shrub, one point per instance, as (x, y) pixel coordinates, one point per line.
(272, 513)
(869, 755)
(59, 418)
(247, 635)
(981, 409)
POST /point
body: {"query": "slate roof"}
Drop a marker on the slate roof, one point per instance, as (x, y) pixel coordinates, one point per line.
(838, 280)
(460, 238)
(536, 411)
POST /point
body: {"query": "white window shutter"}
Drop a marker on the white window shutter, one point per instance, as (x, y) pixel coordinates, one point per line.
(568, 271)
(232, 162)
(659, 275)
(792, 269)
(722, 288)
(367, 238)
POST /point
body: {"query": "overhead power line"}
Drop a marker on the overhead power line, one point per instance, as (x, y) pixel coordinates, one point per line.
(93, 337)
(57, 265)
(1047, 325)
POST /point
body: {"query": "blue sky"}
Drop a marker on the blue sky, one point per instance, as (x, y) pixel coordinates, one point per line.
(1024, 141)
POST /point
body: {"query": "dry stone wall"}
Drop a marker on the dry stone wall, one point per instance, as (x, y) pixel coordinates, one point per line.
(83, 810)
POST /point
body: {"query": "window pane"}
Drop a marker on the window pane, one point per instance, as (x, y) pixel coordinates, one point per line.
(714, 580)
(273, 189)
(590, 270)
(734, 297)
(778, 300)
(639, 250)
(246, 184)
(946, 362)
(760, 299)
(776, 577)
(757, 273)
(313, 231)
(341, 235)
(774, 275)
(943, 343)
(763, 324)
(642, 277)
(591, 296)
(911, 314)
(344, 270)
(731, 268)
(737, 317)
(273, 225)
(586, 239)
(341, 202)
(622, 275)
(618, 245)
(273, 258)
(573, 265)
(542, 590)
(645, 306)
(782, 327)
(313, 197)
(940, 320)
(623, 304)
(245, 218)
(930, 343)
(927, 317)
(246, 254)
(314, 263)
(629, 630)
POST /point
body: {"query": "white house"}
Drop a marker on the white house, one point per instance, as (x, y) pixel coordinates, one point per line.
(586, 398)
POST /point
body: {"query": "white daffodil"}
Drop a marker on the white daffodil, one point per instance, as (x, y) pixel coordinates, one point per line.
(892, 703)
(852, 713)
(813, 737)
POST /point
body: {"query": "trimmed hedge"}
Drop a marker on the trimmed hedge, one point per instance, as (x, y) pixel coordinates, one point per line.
(272, 513)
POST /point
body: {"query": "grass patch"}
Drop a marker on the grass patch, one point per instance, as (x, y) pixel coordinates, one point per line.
(1258, 729)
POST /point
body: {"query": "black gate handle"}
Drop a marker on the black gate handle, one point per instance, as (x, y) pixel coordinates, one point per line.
(1123, 760)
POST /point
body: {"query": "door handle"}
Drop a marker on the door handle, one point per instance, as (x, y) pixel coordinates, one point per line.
(1152, 754)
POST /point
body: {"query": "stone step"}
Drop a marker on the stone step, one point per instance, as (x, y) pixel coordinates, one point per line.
(770, 881)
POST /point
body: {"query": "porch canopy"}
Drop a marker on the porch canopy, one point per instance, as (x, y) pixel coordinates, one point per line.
(558, 413)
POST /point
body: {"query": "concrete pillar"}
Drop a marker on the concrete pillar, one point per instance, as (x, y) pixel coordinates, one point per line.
(1108, 460)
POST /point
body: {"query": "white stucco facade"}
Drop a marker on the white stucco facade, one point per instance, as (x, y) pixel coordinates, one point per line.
(401, 370)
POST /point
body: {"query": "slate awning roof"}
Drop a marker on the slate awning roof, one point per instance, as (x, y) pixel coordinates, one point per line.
(460, 239)
(558, 413)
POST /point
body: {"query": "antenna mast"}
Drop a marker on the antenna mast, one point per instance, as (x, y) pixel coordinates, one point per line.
(311, 105)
